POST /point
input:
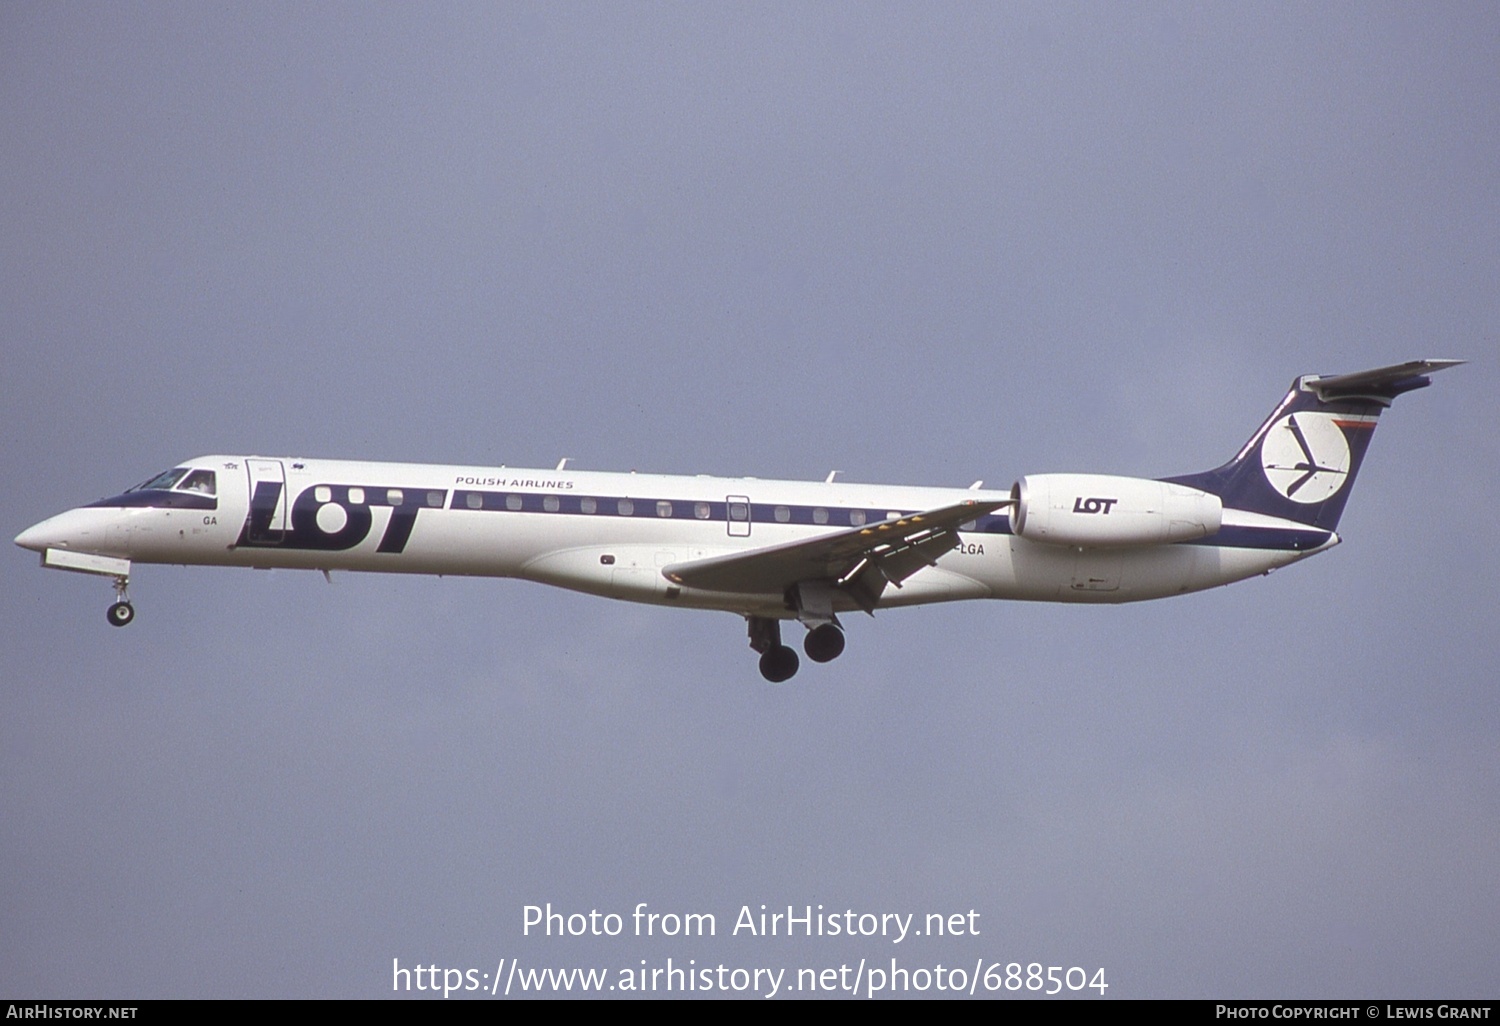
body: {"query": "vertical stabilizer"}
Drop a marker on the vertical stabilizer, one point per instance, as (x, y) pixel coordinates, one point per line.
(1301, 463)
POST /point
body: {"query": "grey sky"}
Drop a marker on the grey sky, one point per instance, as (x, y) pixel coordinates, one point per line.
(917, 243)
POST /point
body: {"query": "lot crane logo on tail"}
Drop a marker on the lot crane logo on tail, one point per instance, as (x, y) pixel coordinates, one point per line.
(1306, 456)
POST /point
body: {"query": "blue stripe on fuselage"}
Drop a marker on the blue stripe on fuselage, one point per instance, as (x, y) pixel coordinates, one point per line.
(1291, 539)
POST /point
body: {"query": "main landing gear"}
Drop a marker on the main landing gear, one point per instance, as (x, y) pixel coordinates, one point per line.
(779, 662)
(824, 643)
(122, 612)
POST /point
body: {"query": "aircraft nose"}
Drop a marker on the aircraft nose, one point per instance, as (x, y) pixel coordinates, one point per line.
(38, 536)
(85, 529)
(63, 531)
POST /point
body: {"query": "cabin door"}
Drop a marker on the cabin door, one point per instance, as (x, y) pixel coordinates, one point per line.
(267, 525)
(738, 507)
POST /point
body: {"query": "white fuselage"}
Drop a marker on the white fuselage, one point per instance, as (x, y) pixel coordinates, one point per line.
(611, 534)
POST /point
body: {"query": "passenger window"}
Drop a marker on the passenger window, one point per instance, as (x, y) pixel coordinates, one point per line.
(199, 481)
(394, 496)
(323, 493)
(627, 508)
(512, 502)
(820, 515)
(739, 511)
(783, 515)
(356, 495)
(968, 525)
(663, 508)
(588, 505)
(856, 518)
(473, 500)
(702, 510)
(551, 504)
(435, 500)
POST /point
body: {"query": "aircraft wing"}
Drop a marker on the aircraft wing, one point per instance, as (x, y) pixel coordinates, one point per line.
(861, 560)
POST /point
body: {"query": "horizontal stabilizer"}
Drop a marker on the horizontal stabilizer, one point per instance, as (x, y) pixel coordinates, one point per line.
(1383, 382)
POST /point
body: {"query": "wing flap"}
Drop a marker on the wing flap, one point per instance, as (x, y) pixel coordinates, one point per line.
(893, 549)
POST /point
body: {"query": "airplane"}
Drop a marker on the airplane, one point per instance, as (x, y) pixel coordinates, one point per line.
(768, 550)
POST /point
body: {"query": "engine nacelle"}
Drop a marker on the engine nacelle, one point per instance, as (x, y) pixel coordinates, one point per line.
(1101, 511)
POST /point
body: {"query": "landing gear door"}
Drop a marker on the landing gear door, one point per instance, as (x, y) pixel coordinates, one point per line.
(738, 515)
(267, 521)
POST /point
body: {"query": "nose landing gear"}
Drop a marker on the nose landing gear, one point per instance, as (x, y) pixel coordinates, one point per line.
(122, 612)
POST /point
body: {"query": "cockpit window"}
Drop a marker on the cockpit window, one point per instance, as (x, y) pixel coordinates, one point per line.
(199, 481)
(162, 482)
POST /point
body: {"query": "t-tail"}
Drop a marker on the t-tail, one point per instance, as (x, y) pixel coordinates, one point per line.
(1301, 463)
